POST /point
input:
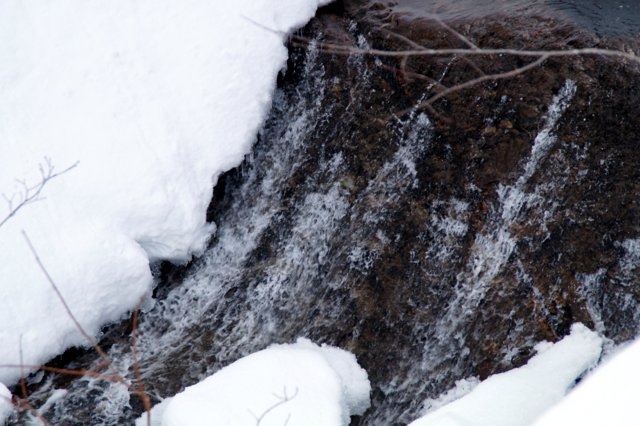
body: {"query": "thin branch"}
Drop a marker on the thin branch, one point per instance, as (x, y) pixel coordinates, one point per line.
(282, 400)
(89, 373)
(138, 389)
(88, 338)
(462, 38)
(435, 84)
(31, 194)
(114, 378)
(403, 38)
(489, 77)
(349, 50)
(459, 36)
(264, 27)
(24, 404)
(473, 50)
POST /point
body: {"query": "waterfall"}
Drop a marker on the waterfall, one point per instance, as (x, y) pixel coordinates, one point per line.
(398, 239)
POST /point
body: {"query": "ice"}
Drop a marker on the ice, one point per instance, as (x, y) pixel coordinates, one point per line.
(298, 384)
(609, 396)
(154, 99)
(519, 396)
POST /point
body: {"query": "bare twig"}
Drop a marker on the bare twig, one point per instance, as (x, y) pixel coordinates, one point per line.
(114, 378)
(31, 193)
(79, 327)
(403, 38)
(435, 84)
(459, 36)
(472, 50)
(465, 85)
(281, 400)
(24, 404)
(138, 389)
(462, 38)
(302, 41)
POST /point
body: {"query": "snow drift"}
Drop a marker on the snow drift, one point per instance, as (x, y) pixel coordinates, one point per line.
(519, 396)
(154, 99)
(609, 396)
(5, 403)
(296, 384)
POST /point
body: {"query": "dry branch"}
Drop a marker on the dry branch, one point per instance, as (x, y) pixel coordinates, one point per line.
(31, 193)
(79, 327)
(471, 50)
(341, 49)
(281, 401)
(467, 84)
(137, 390)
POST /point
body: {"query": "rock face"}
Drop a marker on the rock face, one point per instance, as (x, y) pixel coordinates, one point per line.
(436, 245)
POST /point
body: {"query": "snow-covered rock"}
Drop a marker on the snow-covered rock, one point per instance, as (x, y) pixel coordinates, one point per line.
(154, 99)
(517, 397)
(299, 384)
(608, 396)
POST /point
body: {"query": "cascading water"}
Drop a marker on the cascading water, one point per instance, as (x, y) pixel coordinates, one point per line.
(400, 240)
(492, 249)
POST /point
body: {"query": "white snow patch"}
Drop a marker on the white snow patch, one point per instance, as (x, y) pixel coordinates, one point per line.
(298, 384)
(155, 99)
(461, 388)
(608, 396)
(5, 403)
(519, 396)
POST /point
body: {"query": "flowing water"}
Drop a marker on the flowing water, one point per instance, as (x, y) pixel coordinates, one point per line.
(603, 17)
(382, 239)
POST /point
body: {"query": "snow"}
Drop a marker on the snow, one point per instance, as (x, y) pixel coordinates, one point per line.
(154, 99)
(300, 384)
(461, 388)
(519, 396)
(609, 396)
(5, 403)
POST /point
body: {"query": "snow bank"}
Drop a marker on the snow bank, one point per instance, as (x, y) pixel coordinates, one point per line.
(5, 403)
(609, 396)
(154, 98)
(519, 396)
(298, 384)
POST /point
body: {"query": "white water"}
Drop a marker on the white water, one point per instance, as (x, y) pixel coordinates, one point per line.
(491, 250)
